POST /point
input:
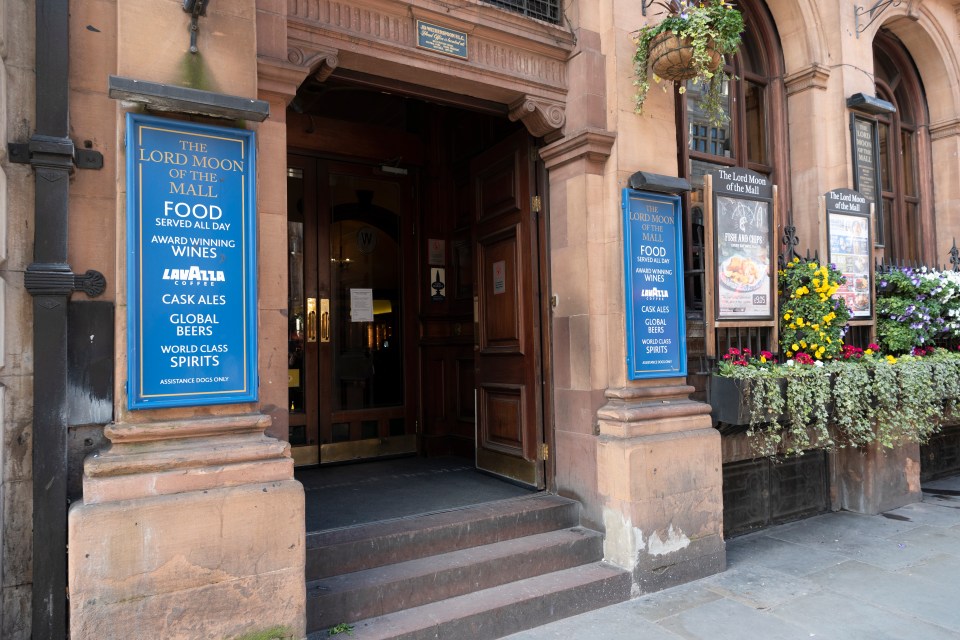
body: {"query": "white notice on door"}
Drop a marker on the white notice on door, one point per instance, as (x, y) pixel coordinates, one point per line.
(361, 305)
(499, 276)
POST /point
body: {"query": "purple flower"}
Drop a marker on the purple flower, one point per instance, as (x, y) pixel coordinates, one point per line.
(883, 283)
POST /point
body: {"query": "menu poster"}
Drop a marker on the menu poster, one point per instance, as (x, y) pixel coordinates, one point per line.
(743, 268)
(866, 163)
(849, 246)
(191, 257)
(743, 244)
(656, 329)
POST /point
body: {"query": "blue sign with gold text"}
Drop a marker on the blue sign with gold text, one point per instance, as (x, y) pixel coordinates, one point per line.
(191, 269)
(652, 249)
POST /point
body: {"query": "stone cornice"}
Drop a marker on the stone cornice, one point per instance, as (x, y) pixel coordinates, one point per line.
(813, 77)
(590, 145)
(279, 78)
(501, 44)
(945, 129)
(638, 411)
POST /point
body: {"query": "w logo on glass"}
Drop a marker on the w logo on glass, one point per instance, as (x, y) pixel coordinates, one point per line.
(366, 239)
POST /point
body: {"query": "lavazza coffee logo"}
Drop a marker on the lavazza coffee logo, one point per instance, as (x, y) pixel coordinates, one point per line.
(654, 293)
(194, 274)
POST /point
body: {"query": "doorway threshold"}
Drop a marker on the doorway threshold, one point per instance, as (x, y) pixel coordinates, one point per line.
(354, 494)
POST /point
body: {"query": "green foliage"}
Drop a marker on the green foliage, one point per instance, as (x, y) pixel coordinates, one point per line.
(709, 24)
(812, 320)
(343, 627)
(915, 307)
(849, 403)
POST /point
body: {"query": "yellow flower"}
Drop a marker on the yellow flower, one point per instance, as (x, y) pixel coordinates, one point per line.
(799, 322)
(793, 325)
(803, 343)
(815, 346)
(829, 341)
(868, 352)
(891, 360)
(789, 354)
(796, 260)
(795, 347)
(815, 327)
(763, 358)
(786, 316)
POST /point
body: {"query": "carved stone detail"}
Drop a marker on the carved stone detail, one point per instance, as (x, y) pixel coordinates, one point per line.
(540, 117)
(813, 77)
(321, 61)
(945, 129)
(358, 25)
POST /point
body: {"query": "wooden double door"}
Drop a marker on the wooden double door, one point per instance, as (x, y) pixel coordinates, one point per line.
(361, 282)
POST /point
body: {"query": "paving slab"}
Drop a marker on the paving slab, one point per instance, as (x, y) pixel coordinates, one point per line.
(758, 586)
(825, 617)
(930, 541)
(898, 592)
(662, 604)
(928, 513)
(730, 620)
(787, 557)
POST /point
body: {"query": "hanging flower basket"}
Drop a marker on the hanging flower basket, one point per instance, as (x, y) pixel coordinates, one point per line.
(689, 44)
(671, 57)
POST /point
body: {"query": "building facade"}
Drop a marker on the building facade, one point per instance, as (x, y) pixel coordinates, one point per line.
(438, 251)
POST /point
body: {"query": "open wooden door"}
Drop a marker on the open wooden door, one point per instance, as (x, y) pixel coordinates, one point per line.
(507, 309)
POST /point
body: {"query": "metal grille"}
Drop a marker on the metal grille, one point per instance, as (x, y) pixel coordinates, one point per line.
(763, 492)
(546, 10)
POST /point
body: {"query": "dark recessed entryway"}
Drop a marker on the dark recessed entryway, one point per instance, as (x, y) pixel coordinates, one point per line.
(348, 495)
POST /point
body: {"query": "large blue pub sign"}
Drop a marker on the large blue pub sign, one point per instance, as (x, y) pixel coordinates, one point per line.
(191, 264)
(653, 270)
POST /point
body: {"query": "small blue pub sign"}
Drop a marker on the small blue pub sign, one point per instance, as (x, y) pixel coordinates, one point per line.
(191, 264)
(653, 269)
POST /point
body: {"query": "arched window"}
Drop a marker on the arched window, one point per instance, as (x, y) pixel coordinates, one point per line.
(753, 138)
(902, 226)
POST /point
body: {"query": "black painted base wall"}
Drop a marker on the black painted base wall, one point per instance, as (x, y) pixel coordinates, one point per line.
(762, 492)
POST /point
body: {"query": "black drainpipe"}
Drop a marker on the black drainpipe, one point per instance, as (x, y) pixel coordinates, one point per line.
(50, 281)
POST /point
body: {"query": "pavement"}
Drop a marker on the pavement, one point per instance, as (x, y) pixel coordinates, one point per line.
(839, 575)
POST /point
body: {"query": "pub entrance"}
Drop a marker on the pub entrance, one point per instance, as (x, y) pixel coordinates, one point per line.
(414, 253)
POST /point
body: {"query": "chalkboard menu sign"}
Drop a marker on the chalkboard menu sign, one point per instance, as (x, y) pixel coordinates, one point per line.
(656, 327)
(191, 264)
(743, 245)
(850, 249)
(866, 164)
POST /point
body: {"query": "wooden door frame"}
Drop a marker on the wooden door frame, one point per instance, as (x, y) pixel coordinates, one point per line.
(322, 359)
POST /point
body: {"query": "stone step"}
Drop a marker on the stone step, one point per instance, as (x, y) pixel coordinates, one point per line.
(381, 590)
(352, 549)
(502, 610)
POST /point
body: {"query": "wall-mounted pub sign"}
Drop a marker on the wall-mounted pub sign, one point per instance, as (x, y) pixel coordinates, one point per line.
(653, 263)
(866, 164)
(191, 264)
(743, 251)
(850, 248)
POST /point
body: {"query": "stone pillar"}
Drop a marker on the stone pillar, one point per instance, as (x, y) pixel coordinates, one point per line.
(873, 479)
(660, 477)
(189, 529)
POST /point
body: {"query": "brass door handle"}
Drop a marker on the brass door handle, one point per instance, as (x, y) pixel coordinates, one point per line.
(324, 320)
(311, 319)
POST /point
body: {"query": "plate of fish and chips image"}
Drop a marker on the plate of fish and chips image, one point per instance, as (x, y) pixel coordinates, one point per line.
(742, 273)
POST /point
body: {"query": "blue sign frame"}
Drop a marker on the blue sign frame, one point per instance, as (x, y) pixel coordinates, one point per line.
(653, 283)
(191, 264)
